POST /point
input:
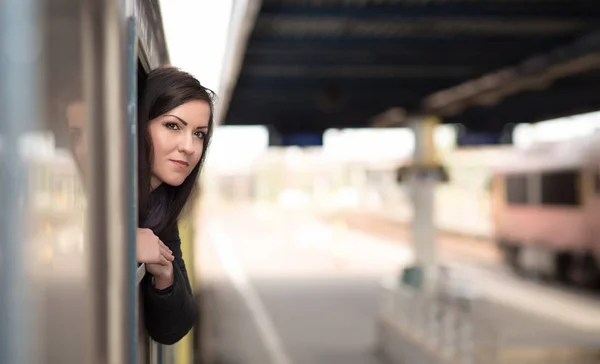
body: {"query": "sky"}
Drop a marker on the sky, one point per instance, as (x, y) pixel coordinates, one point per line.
(196, 32)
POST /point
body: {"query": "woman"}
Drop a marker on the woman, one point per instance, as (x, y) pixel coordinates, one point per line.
(175, 122)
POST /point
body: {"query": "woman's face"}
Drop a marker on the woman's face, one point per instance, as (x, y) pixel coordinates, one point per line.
(178, 142)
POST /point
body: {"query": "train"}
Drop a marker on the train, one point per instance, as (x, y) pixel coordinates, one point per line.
(67, 259)
(545, 207)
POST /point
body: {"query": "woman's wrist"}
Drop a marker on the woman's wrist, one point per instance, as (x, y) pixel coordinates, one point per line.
(164, 280)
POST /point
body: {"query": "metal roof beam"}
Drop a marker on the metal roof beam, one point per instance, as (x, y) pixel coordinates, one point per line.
(360, 71)
(317, 3)
(574, 9)
(534, 74)
(332, 26)
(397, 49)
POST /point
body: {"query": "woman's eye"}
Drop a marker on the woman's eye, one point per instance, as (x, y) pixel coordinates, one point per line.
(200, 134)
(172, 126)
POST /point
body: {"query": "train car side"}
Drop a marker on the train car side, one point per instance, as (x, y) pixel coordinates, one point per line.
(545, 205)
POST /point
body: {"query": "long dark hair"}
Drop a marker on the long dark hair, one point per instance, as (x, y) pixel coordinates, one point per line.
(163, 90)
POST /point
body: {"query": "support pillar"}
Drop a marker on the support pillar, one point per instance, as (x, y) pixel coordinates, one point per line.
(422, 176)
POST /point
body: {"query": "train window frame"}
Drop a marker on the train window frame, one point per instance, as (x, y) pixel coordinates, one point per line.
(558, 194)
(596, 178)
(523, 197)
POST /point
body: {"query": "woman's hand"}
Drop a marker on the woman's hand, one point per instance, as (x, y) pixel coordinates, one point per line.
(150, 250)
(162, 273)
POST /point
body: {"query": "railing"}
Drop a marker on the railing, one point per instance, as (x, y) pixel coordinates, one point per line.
(444, 328)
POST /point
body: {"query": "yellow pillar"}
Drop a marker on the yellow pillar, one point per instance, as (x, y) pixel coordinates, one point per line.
(184, 348)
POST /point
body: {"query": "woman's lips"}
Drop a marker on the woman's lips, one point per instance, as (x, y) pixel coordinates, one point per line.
(180, 163)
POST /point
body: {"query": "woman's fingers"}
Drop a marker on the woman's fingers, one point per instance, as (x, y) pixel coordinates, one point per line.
(166, 254)
(163, 260)
(166, 247)
(150, 249)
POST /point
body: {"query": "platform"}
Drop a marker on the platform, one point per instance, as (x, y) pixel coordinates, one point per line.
(290, 287)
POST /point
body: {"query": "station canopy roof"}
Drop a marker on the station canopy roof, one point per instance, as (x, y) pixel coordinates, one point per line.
(310, 65)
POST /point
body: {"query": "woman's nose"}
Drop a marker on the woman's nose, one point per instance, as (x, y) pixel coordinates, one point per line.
(186, 144)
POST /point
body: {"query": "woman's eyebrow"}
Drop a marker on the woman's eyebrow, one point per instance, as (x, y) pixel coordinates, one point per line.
(185, 122)
(178, 118)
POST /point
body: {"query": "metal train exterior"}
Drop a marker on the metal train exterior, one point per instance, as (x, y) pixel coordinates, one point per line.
(546, 208)
(68, 274)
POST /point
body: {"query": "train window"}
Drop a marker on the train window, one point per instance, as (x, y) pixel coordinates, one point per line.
(597, 182)
(561, 188)
(516, 189)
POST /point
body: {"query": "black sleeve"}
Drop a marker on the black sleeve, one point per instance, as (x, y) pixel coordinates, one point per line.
(169, 314)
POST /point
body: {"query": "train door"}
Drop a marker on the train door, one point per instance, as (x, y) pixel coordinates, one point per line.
(593, 213)
(65, 254)
(43, 267)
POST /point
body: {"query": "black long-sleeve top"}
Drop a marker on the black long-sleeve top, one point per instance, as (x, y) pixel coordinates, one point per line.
(169, 314)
